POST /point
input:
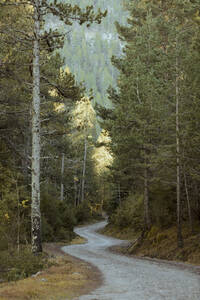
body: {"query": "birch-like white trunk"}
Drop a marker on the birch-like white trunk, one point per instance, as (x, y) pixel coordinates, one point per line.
(35, 205)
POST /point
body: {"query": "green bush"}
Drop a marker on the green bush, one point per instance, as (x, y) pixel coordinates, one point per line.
(83, 213)
(129, 214)
(163, 206)
(58, 219)
(64, 235)
(15, 266)
(67, 216)
(47, 231)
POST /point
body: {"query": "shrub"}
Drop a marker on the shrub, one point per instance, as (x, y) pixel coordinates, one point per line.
(64, 235)
(47, 231)
(163, 206)
(58, 219)
(83, 213)
(129, 214)
(20, 265)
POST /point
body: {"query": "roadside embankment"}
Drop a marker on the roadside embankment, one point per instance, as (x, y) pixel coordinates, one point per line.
(158, 243)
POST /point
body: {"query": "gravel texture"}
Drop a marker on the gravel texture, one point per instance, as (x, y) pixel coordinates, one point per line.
(127, 278)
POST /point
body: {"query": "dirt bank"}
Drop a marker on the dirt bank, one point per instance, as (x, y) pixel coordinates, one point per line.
(159, 244)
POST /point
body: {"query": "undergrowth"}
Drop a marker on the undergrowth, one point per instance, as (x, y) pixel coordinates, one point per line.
(16, 265)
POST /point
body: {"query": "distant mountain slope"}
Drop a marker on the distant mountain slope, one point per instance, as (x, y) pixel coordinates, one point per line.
(88, 51)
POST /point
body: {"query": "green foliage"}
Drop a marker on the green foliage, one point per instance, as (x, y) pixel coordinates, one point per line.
(59, 95)
(129, 214)
(83, 213)
(158, 67)
(88, 51)
(58, 219)
(19, 265)
(163, 206)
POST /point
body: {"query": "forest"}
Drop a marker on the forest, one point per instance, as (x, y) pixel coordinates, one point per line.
(99, 112)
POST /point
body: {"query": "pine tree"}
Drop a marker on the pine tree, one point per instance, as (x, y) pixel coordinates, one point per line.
(36, 34)
(148, 121)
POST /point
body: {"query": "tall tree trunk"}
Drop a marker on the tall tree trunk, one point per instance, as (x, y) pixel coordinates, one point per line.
(75, 194)
(84, 169)
(35, 206)
(178, 199)
(119, 194)
(62, 173)
(147, 221)
(188, 203)
(18, 216)
(79, 193)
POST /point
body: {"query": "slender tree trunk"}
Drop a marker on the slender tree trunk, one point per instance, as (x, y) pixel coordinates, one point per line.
(119, 194)
(18, 217)
(79, 193)
(35, 206)
(75, 194)
(179, 223)
(104, 195)
(62, 173)
(147, 221)
(84, 169)
(188, 203)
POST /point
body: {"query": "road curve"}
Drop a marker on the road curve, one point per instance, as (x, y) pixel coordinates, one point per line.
(128, 278)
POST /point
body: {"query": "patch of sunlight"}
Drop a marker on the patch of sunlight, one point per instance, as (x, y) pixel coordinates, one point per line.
(59, 107)
(67, 70)
(101, 155)
(84, 114)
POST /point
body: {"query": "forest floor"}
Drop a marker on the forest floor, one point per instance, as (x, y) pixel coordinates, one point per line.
(66, 279)
(159, 244)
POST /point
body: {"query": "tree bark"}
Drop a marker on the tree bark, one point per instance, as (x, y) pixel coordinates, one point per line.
(75, 194)
(62, 172)
(119, 194)
(178, 199)
(188, 203)
(147, 221)
(18, 216)
(35, 205)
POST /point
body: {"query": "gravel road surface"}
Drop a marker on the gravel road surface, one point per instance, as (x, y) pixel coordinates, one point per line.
(128, 278)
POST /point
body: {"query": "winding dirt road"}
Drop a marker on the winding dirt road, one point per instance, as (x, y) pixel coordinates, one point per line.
(128, 278)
